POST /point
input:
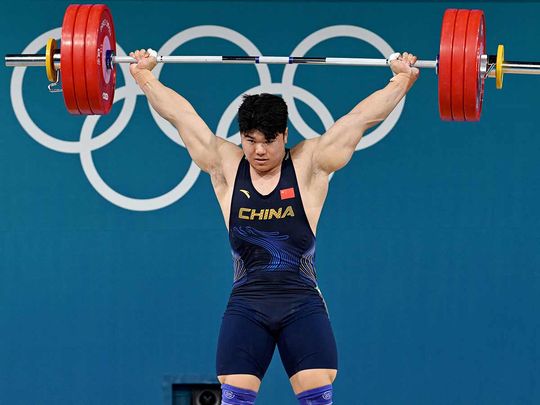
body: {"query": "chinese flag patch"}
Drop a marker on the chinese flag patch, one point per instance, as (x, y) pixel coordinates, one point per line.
(287, 193)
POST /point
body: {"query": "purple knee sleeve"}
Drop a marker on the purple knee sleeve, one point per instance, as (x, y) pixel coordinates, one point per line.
(316, 396)
(236, 396)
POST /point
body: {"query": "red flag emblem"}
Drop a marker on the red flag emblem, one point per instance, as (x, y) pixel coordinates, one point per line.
(287, 193)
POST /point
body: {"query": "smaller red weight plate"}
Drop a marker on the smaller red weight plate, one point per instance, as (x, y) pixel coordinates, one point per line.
(100, 38)
(475, 47)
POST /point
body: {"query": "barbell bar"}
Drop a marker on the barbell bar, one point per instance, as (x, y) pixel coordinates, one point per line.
(13, 60)
(87, 62)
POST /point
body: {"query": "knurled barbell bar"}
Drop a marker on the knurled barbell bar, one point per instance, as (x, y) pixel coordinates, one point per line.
(87, 59)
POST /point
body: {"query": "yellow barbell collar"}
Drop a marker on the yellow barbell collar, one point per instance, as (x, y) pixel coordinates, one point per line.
(52, 73)
(499, 67)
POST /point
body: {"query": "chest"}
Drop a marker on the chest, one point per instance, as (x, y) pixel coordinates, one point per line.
(269, 199)
(265, 185)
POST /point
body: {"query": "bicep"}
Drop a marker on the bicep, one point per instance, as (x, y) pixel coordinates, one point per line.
(336, 147)
(199, 142)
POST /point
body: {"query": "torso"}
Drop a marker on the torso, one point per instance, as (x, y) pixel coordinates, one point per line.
(272, 243)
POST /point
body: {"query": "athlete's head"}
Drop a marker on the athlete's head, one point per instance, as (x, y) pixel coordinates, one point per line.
(262, 119)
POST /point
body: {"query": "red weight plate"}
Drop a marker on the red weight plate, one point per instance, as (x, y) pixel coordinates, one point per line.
(445, 64)
(79, 45)
(66, 57)
(458, 64)
(100, 38)
(475, 46)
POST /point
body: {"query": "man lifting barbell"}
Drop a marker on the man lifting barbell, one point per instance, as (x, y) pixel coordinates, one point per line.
(271, 198)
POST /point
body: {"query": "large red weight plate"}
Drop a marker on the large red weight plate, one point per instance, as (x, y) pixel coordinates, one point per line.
(475, 46)
(66, 55)
(458, 64)
(79, 46)
(445, 64)
(100, 38)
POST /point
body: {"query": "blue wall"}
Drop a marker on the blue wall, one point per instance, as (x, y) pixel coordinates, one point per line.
(428, 250)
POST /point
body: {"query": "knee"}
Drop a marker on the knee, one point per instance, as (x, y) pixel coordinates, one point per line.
(244, 381)
(309, 379)
(231, 395)
(316, 396)
(239, 389)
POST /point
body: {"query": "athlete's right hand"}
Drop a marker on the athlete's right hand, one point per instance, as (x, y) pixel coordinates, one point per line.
(144, 61)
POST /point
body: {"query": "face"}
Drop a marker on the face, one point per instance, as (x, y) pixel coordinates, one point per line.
(264, 155)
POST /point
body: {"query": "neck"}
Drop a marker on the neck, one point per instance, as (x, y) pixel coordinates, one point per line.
(268, 173)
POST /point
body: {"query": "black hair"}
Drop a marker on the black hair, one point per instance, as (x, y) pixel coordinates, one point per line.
(263, 112)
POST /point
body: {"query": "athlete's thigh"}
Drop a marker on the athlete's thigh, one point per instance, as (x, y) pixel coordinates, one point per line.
(244, 347)
(308, 343)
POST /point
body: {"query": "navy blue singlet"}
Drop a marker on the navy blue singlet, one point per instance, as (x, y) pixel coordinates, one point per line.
(272, 243)
(275, 300)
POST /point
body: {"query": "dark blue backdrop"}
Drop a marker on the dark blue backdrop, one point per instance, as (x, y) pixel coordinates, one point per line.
(428, 249)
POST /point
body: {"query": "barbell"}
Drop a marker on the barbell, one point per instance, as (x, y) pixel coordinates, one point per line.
(87, 58)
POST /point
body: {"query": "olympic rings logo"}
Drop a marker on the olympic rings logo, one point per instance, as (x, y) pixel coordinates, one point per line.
(88, 142)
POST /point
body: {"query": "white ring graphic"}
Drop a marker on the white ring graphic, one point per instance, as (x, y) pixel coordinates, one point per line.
(135, 204)
(88, 143)
(317, 37)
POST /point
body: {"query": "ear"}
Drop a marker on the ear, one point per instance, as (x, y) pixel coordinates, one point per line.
(285, 135)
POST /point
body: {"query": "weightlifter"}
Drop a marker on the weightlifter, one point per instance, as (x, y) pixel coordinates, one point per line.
(271, 198)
